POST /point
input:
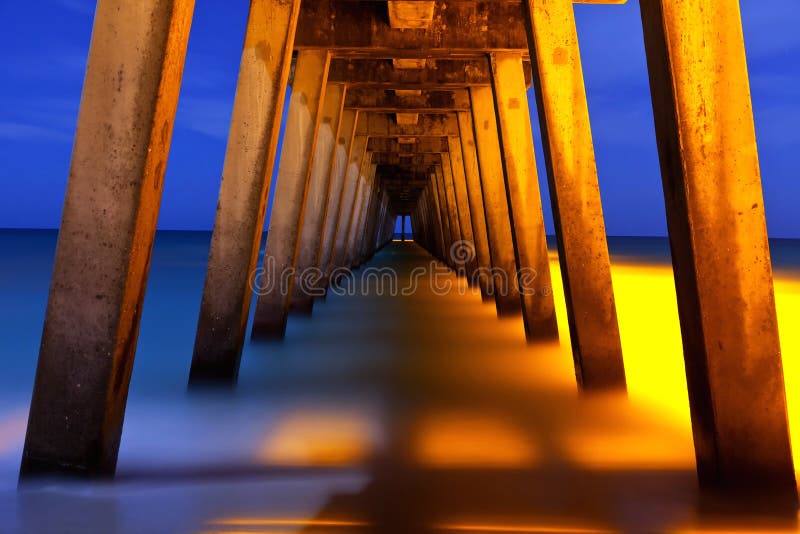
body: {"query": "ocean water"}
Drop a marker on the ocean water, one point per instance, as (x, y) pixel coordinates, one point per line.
(421, 413)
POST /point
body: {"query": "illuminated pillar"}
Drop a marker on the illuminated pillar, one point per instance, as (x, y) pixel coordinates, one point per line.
(358, 159)
(275, 286)
(525, 205)
(306, 279)
(498, 223)
(462, 202)
(718, 234)
(575, 195)
(332, 207)
(475, 198)
(246, 176)
(102, 259)
(444, 217)
(446, 176)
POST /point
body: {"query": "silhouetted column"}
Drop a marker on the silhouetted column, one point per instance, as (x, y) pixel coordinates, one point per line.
(102, 259)
(467, 252)
(333, 205)
(275, 285)
(522, 186)
(246, 176)
(498, 223)
(306, 276)
(718, 234)
(575, 195)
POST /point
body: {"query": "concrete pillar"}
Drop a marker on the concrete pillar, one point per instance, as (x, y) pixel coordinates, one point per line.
(102, 259)
(359, 211)
(522, 186)
(364, 252)
(575, 195)
(468, 252)
(357, 159)
(475, 199)
(302, 301)
(498, 222)
(305, 107)
(435, 211)
(442, 214)
(403, 231)
(446, 176)
(720, 254)
(332, 207)
(246, 176)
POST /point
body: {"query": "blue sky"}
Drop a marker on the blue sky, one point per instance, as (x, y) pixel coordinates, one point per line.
(43, 51)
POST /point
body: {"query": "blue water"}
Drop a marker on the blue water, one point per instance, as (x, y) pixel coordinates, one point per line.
(187, 458)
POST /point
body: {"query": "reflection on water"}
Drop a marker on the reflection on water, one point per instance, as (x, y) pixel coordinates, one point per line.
(420, 413)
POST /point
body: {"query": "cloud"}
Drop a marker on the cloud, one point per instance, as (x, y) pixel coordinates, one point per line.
(209, 116)
(16, 131)
(82, 7)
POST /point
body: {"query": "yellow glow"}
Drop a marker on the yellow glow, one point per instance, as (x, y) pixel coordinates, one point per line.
(520, 529)
(651, 342)
(474, 440)
(321, 437)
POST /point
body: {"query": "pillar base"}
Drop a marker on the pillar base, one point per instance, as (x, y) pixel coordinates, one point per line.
(222, 370)
(269, 331)
(302, 306)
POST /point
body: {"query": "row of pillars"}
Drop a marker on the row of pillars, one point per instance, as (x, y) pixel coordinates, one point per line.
(331, 213)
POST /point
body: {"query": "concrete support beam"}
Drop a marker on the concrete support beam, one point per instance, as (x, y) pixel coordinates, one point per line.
(333, 205)
(475, 198)
(445, 175)
(102, 259)
(383, 125)
(436, 75)
(524, 201)
(466, 257)
(424, 145)
(715, 214)
(246, 176)
(379, 100)
(305, 110)
(575, 195)
(410, 15)
(302, 301)
(336, 25)
(498, 222)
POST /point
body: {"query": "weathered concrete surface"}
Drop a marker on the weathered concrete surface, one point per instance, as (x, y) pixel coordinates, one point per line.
(249, 159)
(467, 257)
(498, 223)
(305, 110)
(358, 158)
(102, 260)
(575, 196)
(332, 24)
(442, 213)
(306, 278)
(332, 207)
(524, 201)
(717, 228)
(475, 198)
